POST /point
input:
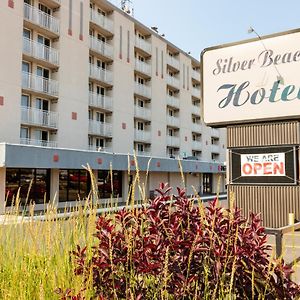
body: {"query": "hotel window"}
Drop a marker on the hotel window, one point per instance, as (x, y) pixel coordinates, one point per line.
(42, 72)
(140, 80)
(24, 133)
(25, 67)
(140, 125)
(25, 101)
(109, 184)
(26, 33)
(140, 147)
(140, 103)
(100, 90)
(100, 117)
(44, 9)
(100, 143)
(42, 104)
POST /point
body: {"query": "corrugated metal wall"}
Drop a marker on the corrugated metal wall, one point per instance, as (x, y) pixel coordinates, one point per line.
(280, 133)
(273, 202)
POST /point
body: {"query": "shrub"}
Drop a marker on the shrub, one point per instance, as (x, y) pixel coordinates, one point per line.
(177, 250)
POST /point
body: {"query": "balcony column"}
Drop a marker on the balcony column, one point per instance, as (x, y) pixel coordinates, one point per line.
(54, 187)
(2, 190)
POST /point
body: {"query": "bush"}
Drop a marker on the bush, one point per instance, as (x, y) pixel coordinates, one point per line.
(177, 250)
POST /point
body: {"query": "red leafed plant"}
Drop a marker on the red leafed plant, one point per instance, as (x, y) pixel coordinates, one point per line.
(177, 250)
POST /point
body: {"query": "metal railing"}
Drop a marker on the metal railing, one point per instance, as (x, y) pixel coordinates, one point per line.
(143, 44)
(41, 143)
(99, 149)
(142, 112)
(100, 101)
(39, 117)
(215, 148)
(101, 20)
(196, 127)
(173, 121)
(100, 74)
(142, 135)
(142, 89)
(196, 92)
(101, 47)
(39, 84)
(173, 81)
(215, 133)
(174, 62)
(35, 15)
(40, 51)
(196, 75)
(172, 101)
(173, 141)
(100, 128)
(143, 67)
(196, 110)
(196, 145)
(143, 153)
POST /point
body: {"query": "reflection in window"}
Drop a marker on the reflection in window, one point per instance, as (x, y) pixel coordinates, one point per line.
(108, 186)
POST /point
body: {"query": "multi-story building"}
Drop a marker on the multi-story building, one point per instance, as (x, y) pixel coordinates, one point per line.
(83, 82)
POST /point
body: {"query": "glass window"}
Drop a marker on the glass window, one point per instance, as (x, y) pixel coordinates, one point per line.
(109, 184)
(26, 33)
(24, 133)
(25, 101)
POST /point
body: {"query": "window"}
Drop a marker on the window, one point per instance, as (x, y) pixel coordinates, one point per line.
(140, 125)
(25, 101)
(171, 112)
(100, 117)
(207, 183)
(100, 90)
(101, 12)
(101, 64)
(170, 93)
(42, 72)
(90, 114)
(25, 67)
(170, 132)
(140, 147)
(41, 135)
(101, 38)
(100, 143)
(109, 183)
(141, 80)
(26, 33)
(44, 9)
(42, 104)
(140, 103)
(24, 133)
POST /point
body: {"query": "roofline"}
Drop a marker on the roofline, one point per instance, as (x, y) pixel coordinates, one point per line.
(152, 32)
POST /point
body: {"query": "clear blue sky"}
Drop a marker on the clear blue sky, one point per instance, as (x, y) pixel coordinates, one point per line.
(193, 25)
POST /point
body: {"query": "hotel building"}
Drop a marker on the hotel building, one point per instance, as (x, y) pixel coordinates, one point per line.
(83, 82)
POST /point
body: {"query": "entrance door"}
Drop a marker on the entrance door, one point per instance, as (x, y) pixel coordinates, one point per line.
(207, 183)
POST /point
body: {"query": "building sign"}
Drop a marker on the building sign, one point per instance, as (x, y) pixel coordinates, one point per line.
(253, 80)
(267, 164)
(264, 165)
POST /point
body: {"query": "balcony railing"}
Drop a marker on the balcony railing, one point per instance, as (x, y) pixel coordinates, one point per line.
(143, 90)
(196, 92)
(143, 67)
(41, 143)
(172, 101)
(196, 127)
(39, 117)
(100, 101)
(196, 75)
(215, 148)
(173, 121)
(142, 112)
(174, 62)
(99, 149)
(142, 135)
(143, 44)
(101, 21)
(100, 128)
(143, 153)
(196, 145)
(196, 110)
(100, 74)
(40, 51)
(215, 133)
(39, 84)
(173, 141)
(101, 47)
(34, 15)
(173, 81)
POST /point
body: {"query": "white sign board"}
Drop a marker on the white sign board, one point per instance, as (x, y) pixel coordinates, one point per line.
(253, 80)
(267, 164)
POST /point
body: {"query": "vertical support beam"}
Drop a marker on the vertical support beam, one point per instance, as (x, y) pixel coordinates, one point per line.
(278, 240)
(2, 190)
(54, 187)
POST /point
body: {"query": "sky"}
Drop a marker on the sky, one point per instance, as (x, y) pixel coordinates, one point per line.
(193, 25)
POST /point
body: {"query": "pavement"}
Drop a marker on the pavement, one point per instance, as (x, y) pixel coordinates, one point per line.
(291, 251)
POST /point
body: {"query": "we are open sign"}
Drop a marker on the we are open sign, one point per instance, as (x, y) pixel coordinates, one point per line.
(267, 164)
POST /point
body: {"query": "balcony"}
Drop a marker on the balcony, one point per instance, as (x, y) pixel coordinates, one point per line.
(196, 75)
(143, 45)
(196, 145)
(173, 81)
(34, 15)
(143, 153)
(101, 47)
(173, 102)
(100, 128)
(215, 149)
(196, 127)
(195, 110)
(40, 52)
(173, 141)
(142, 136)
(142, 90)
(41, 143)
(99, 149)
(38, 117)
(143, 67)
(215, 133)
(100, 101)
(141, 112)
(173, 62)
(100, 74)
(101, 21)
(173, 121)
(40, 85)
(196, 92)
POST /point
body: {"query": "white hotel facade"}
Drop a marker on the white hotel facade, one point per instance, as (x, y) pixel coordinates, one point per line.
(82, 82)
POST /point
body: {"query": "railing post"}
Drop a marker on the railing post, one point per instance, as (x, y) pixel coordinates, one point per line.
(278, 243)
